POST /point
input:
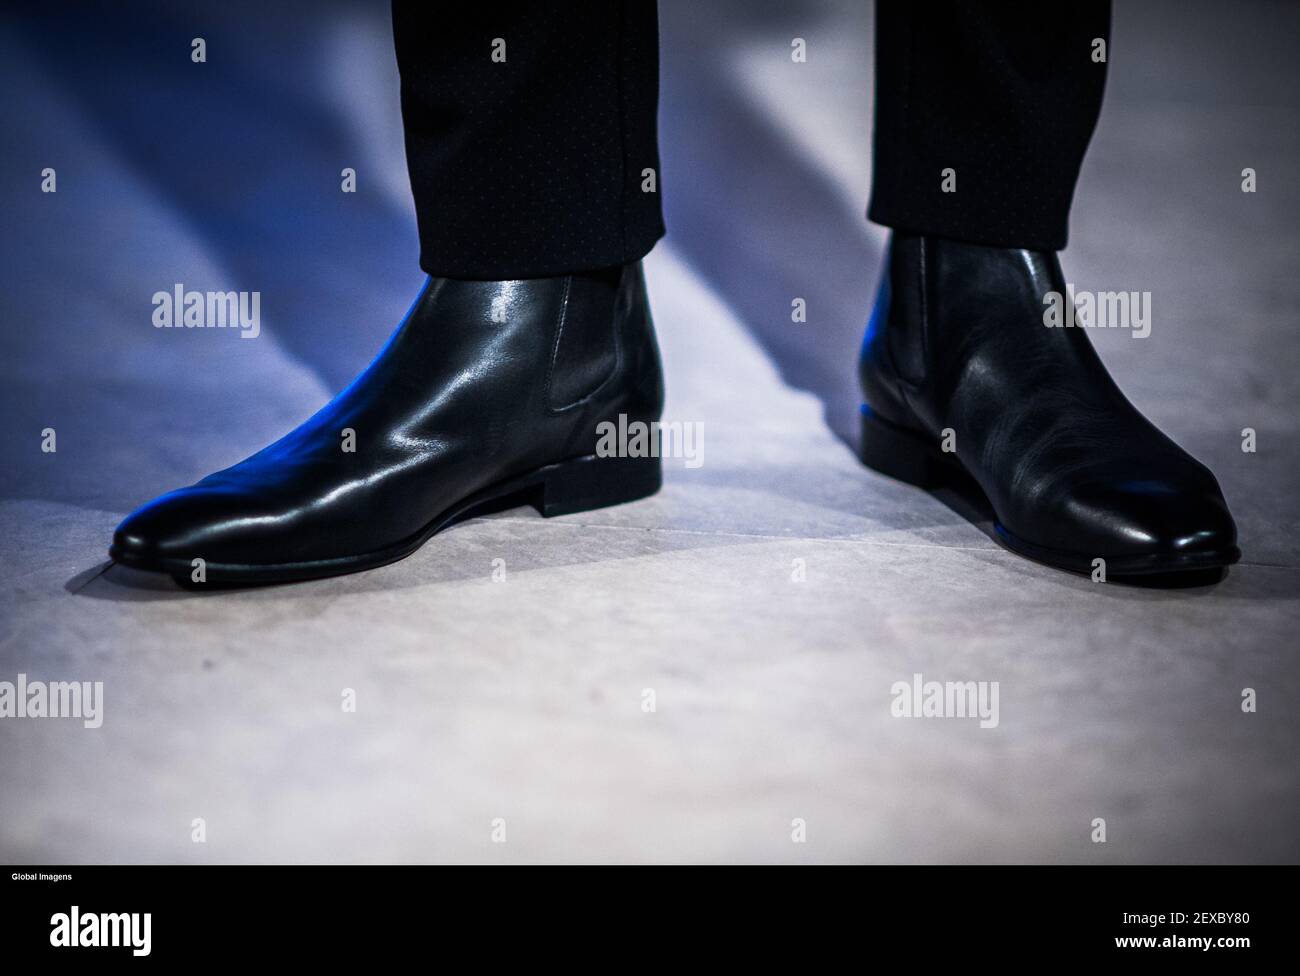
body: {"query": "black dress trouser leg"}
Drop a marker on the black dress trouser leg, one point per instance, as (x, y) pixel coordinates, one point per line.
(1005, 93)
(530, 127)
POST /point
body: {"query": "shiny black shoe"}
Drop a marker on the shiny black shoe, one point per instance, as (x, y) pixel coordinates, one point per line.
(963, 381)
(487, 391)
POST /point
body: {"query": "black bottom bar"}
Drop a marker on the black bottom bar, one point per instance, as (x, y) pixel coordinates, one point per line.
(980, 914)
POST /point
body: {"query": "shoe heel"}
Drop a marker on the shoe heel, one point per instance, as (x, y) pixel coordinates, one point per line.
(895, 452)
(595, 482)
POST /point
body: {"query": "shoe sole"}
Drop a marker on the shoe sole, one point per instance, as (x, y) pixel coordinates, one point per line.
(901, 454)
(577, 485)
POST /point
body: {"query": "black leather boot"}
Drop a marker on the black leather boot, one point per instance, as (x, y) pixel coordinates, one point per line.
(487, 390)
(957, 346)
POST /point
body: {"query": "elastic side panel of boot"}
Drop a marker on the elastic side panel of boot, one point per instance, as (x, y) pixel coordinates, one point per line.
(585, 351)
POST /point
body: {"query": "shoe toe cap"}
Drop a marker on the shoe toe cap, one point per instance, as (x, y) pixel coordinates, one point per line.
(175, 527)
(1159, 520)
